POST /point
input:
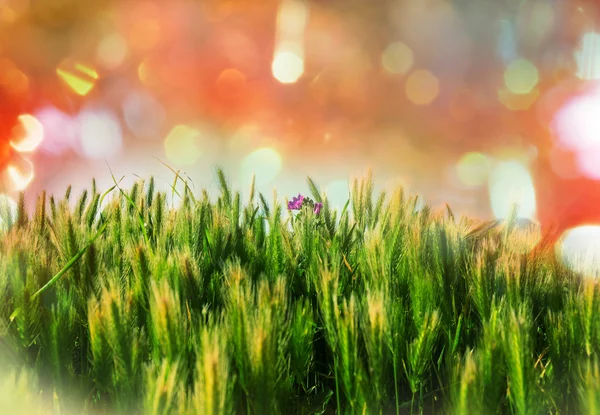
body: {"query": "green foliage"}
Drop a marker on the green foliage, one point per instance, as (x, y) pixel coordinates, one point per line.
(130, 306)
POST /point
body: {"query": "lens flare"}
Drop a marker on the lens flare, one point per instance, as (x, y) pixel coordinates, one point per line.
(588, 58)
(577, 123)
(29, 134)
(81, 79)
(580, 250)
(291, 18)
(511, 183)
(287, 67)
(19, 178)
(182, 145)
(100, 134)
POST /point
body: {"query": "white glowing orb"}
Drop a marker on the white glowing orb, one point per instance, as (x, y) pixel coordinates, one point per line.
(587, 163)
(60, 130)
(144, 115)
(183, 145)
(588, 58)
(8, 211)
(577, 123)
(30, 136)
(265, 163)
(287, 67)
(580, 249)
(100, 134)
(21, 177)
(510, 183)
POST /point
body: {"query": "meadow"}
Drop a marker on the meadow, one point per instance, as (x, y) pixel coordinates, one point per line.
(117, 303)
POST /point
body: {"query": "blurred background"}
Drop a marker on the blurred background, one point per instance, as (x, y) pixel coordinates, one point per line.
(450, 98)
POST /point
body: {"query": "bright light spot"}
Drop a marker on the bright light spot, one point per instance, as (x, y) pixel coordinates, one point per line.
(265, 163)
(577, 124)
(143, 114)
(30, 134)
(60, 130)
(287, 67)
(521, 76)
(100, 134)
(8, 211)
(182, 145)
(510, 182)
(580, 250)
(397, 58)
(81, 79)
(112, 51)
(291, 19)
(473, 169)
(338, 193)
(588, 58)
(19, 178)
(587, 163)
(422, 87)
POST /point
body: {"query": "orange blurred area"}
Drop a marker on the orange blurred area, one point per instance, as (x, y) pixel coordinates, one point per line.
(486, 105)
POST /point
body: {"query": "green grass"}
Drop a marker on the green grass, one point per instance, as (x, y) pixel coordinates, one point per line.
(131, 306)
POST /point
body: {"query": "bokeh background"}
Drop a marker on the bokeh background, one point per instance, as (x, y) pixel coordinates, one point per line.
(446, 97)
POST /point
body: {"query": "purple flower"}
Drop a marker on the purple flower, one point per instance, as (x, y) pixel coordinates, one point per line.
(296, 203)
(318, 207)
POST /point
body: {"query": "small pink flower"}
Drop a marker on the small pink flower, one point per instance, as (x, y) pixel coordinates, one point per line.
(318, 207)
(296, 203)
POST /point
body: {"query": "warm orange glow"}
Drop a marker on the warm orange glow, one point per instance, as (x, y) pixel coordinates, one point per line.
(144, 28)
(230, 83)
(144, 34)
(12, 79)
(287, 67)
(30, 134)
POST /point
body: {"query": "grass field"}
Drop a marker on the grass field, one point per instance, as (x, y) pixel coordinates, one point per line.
(122, 304)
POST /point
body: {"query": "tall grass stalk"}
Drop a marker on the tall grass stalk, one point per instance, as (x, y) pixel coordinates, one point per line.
(117, 302)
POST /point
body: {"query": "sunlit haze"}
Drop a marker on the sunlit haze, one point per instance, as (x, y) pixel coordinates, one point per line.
(447, 100)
